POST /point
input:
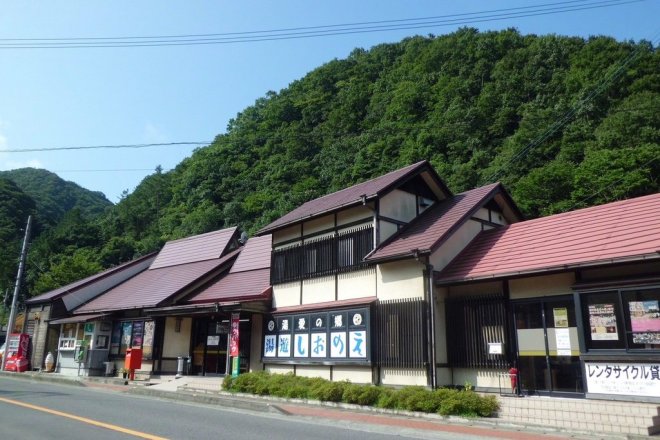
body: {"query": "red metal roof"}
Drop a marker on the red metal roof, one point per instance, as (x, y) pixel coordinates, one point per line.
(426, 232)
(254, 255)
(248, 279)
(193, 249)
(346, 197)
(237, 286)
(76, 285)
(151, 287)
(625, 230)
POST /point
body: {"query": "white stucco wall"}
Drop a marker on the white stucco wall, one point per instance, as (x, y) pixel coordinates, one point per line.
(255, 342)
(454, 244)
(548, 285)
(354, 374)
(286, 234)
(353, 215)
(357, 284)
(400, 279)
(318, 224)
(287, 294)
(403, 377)
(482, 378)
(316, 290)
(279, 369)
(321, 371)
(387, 229)
(399, 205)
(177, 344)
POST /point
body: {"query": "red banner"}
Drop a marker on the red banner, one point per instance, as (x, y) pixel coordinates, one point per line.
(233, 345)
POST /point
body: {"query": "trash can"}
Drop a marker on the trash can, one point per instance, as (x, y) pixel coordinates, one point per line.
(109, 368)
(179, 366)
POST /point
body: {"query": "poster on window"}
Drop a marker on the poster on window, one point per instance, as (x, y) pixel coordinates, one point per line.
(645, 321)
(148, 339)
(602, 321)
(138, 329)
(115, 339)
(561, 317)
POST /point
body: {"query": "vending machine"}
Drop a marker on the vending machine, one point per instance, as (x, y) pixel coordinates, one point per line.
(18, 352)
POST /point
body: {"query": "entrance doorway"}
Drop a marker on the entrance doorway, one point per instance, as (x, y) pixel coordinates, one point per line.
(210, 345)
(548, 348)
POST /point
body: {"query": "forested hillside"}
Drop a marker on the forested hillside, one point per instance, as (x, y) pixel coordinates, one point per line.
(563, 122)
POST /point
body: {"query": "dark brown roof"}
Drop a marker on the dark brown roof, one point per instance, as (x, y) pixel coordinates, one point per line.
(194, 249)
(122, 269)
(151, 287)
(350, 196)
(628, 230)
(254, 255)
(426, 232)
(237, 286)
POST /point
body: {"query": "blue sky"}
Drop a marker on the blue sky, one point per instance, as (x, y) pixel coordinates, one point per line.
(116, 96)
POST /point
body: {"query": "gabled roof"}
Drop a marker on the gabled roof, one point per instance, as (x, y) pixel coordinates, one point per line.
(151, 287)
(248, 279)
(424, 234)
(254, 255)
(109, 278)
(628, 230)
(193, 249)
(353, 195)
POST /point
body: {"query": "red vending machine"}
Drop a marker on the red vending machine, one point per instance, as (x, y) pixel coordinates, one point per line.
(17, 350)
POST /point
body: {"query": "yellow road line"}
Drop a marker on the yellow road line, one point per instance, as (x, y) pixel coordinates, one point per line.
(83, 419)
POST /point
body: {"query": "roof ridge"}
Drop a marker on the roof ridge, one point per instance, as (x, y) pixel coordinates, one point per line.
(205, 234)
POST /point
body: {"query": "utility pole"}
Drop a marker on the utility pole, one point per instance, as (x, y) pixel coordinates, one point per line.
(17, 288)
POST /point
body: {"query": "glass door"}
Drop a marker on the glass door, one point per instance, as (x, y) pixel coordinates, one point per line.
(548, 348)
(215, 357)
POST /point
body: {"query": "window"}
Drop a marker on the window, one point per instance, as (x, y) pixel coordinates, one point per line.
(622, 319)
(126, 334)
(324, 256)
(400, 337)
(475, 331)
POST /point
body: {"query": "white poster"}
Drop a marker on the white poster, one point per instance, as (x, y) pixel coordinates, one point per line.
(563, 341)
(623, 379)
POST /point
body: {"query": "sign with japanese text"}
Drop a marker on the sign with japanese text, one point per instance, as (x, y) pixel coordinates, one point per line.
(334, 335)
(624, 379)
(602, 321)
(235, 324)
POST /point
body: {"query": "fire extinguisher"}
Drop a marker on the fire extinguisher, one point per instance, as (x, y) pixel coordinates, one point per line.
(513, 374)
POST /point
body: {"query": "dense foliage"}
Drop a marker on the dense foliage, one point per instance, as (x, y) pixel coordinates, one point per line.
(563, 122)
(445, 401)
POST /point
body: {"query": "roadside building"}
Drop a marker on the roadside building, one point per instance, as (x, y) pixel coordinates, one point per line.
(49, 322)
(352, 277)
(577, 298)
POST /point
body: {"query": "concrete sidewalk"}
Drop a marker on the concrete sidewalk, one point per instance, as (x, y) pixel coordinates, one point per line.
(207, 390)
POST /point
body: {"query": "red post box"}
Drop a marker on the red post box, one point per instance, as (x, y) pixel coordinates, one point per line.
(133, 359)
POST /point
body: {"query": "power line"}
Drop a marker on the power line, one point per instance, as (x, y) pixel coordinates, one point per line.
(95, 147)
(311, 31)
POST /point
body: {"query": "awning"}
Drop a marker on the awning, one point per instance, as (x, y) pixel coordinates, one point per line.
(79, 318)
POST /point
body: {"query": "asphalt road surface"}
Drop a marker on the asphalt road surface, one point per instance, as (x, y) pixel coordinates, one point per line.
(41, 410)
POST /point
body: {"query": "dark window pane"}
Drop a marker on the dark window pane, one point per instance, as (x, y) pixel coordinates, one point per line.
(603, 321)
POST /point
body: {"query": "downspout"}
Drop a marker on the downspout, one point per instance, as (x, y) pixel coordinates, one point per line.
(430, 298)
(429, 274)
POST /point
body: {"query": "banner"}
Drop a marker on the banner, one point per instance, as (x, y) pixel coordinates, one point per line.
(233, 345)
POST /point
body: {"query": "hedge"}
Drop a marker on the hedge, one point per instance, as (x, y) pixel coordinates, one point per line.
(444, 401)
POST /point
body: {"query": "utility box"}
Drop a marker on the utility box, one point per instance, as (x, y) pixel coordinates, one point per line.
(133, 359)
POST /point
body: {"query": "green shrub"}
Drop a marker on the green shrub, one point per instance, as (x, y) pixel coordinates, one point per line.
(361, 394)
(388, 398)
(329, 391)
(446, 401)
(468, 404)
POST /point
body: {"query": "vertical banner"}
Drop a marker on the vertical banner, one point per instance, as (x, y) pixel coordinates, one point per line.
(233, 345)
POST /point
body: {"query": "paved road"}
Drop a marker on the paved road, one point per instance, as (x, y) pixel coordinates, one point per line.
(42, 410)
